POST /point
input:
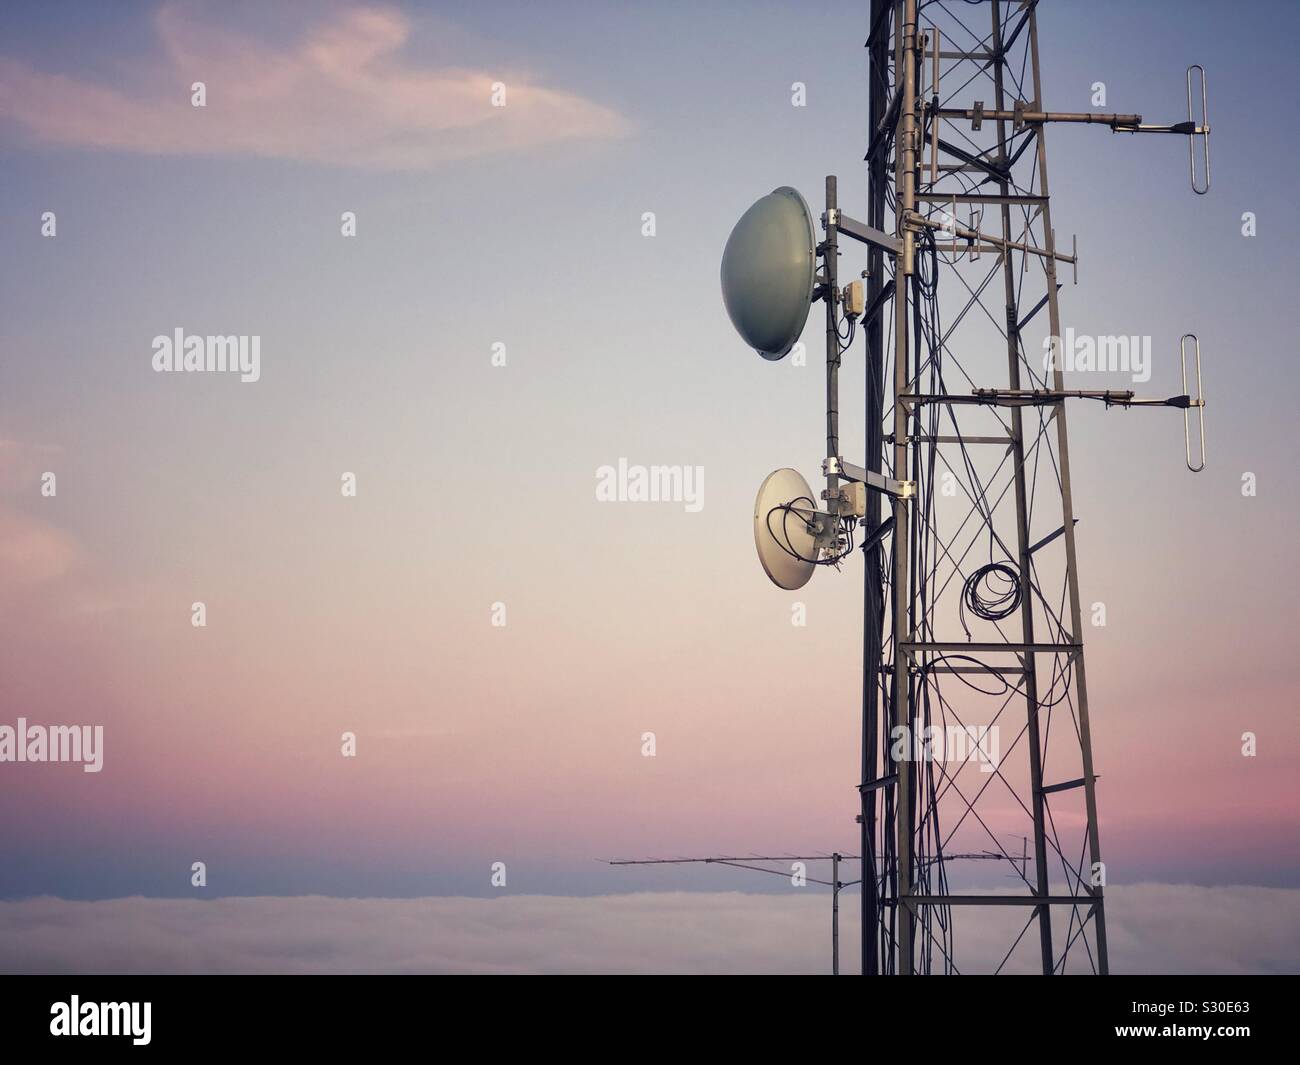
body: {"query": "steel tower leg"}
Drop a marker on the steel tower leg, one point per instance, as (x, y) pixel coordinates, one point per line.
(1067, 513)
(872, 570)
(1022, 528)
(905, 155)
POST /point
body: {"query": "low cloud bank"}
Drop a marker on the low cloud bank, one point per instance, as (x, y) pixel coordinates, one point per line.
(1153, 928)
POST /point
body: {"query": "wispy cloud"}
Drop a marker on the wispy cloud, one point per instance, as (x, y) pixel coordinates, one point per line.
(1154, 928)
(343, 95)
(32, 552)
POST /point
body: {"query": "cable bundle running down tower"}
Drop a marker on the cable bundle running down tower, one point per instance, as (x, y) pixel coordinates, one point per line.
(972, 619)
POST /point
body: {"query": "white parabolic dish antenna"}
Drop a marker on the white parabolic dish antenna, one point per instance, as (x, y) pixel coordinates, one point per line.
(782, 512)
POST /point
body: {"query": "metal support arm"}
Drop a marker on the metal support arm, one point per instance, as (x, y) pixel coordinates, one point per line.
(834, 466)
(862, 232)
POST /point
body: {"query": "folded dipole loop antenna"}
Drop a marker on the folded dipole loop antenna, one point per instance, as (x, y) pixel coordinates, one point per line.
(1199, 129)
(1197, 401)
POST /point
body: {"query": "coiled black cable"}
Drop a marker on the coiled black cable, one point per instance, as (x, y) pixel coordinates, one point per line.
(984, 600)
